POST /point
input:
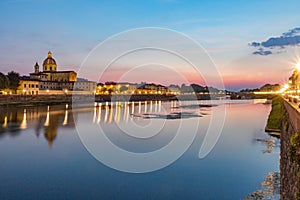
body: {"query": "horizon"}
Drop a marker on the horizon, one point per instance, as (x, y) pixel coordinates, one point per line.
(248, 45)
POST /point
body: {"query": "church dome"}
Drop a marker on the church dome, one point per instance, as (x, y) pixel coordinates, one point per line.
(49, 63)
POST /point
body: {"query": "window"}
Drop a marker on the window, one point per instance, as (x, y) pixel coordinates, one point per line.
(24, 85)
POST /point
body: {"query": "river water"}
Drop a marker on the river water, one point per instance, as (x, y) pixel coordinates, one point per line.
(55, 152)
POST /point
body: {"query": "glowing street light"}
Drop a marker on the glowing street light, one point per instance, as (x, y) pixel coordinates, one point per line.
(298, 66)
(286, 86)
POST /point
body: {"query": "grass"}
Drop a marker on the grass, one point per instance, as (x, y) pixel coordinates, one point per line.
(276, 115)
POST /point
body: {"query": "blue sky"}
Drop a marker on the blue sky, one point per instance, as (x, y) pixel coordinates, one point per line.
(70, 29)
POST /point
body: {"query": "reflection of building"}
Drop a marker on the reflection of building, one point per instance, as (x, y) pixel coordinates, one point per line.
(44, 120)
(52, 81)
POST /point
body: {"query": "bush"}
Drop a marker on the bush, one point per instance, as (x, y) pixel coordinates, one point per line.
(277, 114)
(294, 148)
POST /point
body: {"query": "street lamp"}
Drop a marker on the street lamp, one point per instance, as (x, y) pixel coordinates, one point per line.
(297, 81)
(298, 66)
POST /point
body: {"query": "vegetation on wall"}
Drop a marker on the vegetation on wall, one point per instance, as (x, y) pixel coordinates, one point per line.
(276, 115)
(295, 158)
(294, 148)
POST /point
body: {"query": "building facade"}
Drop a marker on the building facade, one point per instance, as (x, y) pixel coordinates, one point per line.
(52, 81)
(28, 86)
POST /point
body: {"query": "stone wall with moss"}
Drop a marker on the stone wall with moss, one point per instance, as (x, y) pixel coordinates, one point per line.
(290, 154)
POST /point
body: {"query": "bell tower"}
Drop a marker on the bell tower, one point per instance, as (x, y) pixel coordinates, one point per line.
(36, 68)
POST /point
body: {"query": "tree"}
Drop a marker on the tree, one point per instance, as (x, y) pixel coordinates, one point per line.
(197, 88)
(3, 81)
(270, 87)
(14, 79)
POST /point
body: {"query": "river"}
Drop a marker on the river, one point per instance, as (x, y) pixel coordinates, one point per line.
(55, 152)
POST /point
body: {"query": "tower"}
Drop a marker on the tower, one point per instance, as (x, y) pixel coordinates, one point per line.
(36, 68)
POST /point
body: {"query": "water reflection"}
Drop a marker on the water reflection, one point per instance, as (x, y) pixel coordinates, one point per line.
(232, 170)
(24, 121)
(116, 112)
(42, 119)
(47, 120)
(66, 116)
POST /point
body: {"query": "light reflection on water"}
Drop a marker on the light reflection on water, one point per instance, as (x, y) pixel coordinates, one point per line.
(233, 169)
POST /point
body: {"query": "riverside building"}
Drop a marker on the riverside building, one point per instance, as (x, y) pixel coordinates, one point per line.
(52, 81)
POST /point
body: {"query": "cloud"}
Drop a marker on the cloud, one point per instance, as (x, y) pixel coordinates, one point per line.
(290, 38)
(291, 32)
(281, 41)
(255, 44)
(262, 52)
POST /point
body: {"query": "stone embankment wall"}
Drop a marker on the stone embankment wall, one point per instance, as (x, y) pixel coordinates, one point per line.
(289, 169)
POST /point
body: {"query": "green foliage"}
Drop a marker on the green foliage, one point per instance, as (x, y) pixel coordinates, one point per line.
(297, 195)
(4, 81)
(286, 125)
(294, 148)
(14, 79)
(110, 91)
(270, 87)
(277, 114)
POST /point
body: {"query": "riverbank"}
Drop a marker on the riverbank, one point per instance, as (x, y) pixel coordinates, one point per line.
(52, 99)
(32, 100)
(276, 116)
(290, 152)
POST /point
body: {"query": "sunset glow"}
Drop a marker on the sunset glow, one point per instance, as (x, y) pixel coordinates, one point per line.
(242, 54)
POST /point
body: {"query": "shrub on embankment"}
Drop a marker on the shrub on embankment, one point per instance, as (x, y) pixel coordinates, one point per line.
(276, 115)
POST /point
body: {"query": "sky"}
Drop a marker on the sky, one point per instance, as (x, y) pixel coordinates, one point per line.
(243, 43)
